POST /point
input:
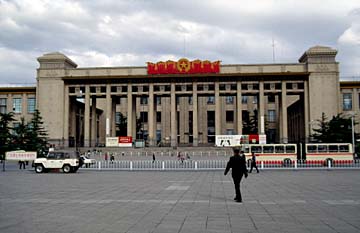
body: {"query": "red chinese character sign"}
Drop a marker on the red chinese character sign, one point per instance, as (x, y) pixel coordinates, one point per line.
(183, 66)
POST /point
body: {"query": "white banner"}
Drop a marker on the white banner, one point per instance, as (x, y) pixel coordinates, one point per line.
(20, 155)
(227, 140)
(112, 142)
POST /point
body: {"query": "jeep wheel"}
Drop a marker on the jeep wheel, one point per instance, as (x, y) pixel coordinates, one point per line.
(66, 168)
(39, 168)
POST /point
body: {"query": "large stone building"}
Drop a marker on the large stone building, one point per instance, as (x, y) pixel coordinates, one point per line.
(83, 106)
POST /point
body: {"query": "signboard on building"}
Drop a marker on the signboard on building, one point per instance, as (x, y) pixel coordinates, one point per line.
(237, 140)
(122, 141)
(183, 66)
(227, 140)
(125, 141)
(112, 142)
(20, 155)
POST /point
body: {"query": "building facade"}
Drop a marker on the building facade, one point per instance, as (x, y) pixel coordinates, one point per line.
(83, 106)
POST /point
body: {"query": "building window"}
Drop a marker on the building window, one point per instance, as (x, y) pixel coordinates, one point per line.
(347, 101)
(244, 99)
(144, 100)
(271, 116)
(271, 99)
(158, 136)
(3, 105)
(158, 117)
(17, 105)
(211, 100)
(31, 105)
(177, 100)
(229, 99)
(229, 116)
(158, 100)
(15, 127)
(190, 100)
(143, 117)
(255, 101)
(230, 132)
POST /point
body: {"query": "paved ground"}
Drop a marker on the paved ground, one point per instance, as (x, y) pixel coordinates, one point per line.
(109, 202)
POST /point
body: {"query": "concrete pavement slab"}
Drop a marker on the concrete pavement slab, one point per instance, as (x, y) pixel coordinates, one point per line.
(187, 201)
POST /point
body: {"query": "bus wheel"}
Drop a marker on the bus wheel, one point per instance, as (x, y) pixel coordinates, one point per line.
(329, 160)
(287, 162)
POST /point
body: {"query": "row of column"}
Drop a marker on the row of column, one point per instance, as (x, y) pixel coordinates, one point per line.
(218, 130)
(131, 114)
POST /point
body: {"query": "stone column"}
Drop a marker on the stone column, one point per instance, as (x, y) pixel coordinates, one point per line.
(130, 117)
(108, 113)
(66, 117)
(113, 116)
(355, 100)
(284, 127)
(9, 107)
(72, 123)
(217, 110)
(87, 117)
(261, 120)
(24, 104)
(173, 113)
(308, 126)
(152, 118)
(195, 116)
(239, 109)
(93, 122)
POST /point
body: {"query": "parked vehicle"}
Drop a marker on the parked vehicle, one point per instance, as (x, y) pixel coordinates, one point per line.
(66, 161)
(87, 161)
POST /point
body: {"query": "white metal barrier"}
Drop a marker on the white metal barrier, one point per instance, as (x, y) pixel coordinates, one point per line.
(162, 165)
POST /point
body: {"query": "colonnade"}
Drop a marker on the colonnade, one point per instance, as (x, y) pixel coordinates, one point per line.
(90, 116)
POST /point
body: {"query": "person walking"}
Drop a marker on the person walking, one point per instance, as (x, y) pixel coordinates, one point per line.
(21, 164)
(153, 155)
(253, 163)
(237, 163)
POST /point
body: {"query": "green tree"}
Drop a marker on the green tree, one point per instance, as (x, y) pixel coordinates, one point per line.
(139, 128)
(21, 136)
(250, 124)
(121, 126)
(37, 134)
(338, 129)
(5, 132)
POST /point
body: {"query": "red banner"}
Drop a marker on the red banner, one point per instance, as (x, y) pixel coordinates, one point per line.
(183, 66)
(123, 139)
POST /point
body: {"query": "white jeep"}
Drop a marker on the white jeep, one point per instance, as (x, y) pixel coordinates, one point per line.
(67, 161)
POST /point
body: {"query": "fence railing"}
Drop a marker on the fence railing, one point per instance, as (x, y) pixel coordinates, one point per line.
(215, 165)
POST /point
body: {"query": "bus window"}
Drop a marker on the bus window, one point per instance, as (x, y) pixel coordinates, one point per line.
(279, 149)
(246, 149)
(322, 148)
(256, 149)
(268, 149)
(344, 148)
(311, 148)
(333, 148)
(290, 149)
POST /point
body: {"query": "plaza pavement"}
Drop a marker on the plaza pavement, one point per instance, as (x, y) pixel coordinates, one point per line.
(184, 202)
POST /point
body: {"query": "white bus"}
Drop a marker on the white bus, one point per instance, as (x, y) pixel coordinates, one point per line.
(323, 152)
(277, 153)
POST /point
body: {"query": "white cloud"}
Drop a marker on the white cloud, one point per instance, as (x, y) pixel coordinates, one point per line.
(351, 36)
(126, 33)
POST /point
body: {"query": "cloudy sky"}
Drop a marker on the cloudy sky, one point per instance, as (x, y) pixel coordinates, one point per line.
(132, 32)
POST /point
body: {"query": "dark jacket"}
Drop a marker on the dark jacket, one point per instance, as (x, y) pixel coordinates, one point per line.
(238, 165)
